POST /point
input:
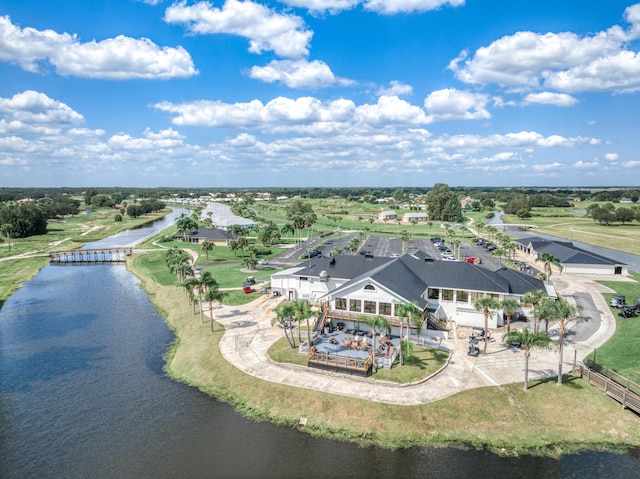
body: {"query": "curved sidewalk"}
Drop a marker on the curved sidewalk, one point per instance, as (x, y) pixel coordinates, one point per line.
(249, 335)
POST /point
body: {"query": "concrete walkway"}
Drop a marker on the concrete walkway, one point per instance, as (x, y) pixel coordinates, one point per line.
(249, 335)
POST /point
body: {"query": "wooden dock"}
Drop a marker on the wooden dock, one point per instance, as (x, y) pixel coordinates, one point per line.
(613, 385)
(91, 256)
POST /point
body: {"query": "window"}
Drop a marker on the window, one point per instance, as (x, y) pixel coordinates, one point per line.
(341, 304)
(475, 296)
(304, 278)
(370, 288)
(355, 305)
(462, 296)
(384, 308)
(434, 293)
(370, 307)
(447, 294)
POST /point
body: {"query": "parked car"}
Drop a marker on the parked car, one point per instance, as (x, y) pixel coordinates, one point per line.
(473, 260)
(627, 312)
(263, 261)
(618, 302)
(436, 239)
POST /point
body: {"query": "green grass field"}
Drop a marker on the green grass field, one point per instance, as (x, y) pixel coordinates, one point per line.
(620, 353)
(572, 224)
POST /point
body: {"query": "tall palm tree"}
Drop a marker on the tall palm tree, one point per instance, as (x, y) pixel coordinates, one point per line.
(186, 224)
(206, 282)
(565, 314)
(405, 236)
(509, 306)
(210, 296)
(206, 247)
(533, 298)
(527, 339)
(284, 313)
(287, 228)
(242, 242)
(303, 312)
(376, 323)
(549, 260)
(486, 305)
(406, 312)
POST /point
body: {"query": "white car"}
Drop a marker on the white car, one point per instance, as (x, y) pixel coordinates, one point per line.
(263, 261)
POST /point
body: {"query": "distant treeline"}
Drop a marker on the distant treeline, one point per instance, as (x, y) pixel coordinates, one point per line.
(539, 196)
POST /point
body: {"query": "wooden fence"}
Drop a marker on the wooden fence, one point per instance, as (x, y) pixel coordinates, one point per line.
(612, 384)
(342, 364)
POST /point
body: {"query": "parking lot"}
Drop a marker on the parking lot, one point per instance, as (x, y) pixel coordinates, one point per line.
(388, 246)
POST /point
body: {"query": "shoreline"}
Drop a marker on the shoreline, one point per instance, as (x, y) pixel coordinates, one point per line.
(194, 358)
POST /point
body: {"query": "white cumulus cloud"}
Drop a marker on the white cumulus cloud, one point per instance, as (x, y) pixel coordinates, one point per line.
(35, 107)
(390, 7)
(562, 61)
(300, 74)
(452, 104)
(396, 88)
(118, 58)
(611, 157)
(284, 34)
(549, 98)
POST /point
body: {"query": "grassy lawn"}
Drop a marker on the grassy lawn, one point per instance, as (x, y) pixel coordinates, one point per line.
(575, 226)
(547, 418)
(620, 353)
(233, 275)
(152, 265)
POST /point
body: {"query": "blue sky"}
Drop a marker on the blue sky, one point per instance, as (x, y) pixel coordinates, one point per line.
(319, 93)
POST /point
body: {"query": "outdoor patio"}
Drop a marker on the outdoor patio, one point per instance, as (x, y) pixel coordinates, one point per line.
(349, 351)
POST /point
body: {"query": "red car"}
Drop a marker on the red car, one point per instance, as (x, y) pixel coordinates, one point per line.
(473, 259)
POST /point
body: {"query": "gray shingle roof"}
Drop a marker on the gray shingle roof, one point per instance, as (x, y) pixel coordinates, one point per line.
(565, 251)
(341, 266)
(411, 274)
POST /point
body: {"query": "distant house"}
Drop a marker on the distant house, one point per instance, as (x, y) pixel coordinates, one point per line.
(387, 215)
(354, 287)
(573, 260)
(420, 217)
(216, 236)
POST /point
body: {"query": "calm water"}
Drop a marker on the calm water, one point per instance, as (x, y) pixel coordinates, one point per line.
(83, 395)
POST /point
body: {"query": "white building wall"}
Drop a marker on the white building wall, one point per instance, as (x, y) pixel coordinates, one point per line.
(590, 269)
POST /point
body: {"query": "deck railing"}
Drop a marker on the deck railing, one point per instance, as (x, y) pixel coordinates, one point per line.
(329, 360)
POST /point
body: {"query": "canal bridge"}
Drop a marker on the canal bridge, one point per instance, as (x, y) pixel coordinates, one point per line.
(97, 255)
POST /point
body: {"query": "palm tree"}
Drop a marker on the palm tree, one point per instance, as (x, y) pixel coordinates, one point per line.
(527, 339)
(189, 285)
(284, 313)
(377, 323)
(206, 283)
(186, 224)
(405, 236)
(486, 305)
(210, 296)
(303, 312)
(533, 298)
(287, 228)
(565, 314)
(509, 306)
(206, 247)
(549, 261)
(233, 246)
(242, 243)
(408, 312)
